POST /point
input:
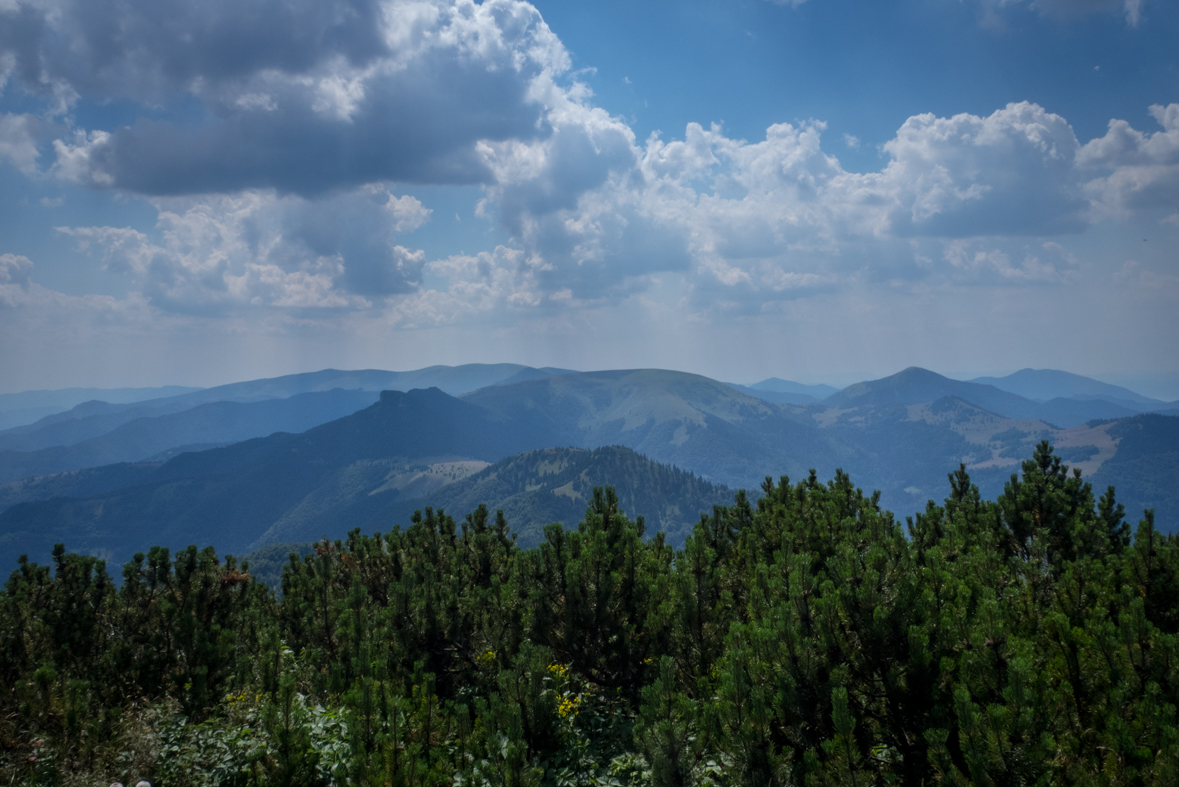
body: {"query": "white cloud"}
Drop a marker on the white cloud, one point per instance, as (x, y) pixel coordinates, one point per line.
(259, 249)
(1143, 168)
(1133, 273)
(779, 218)
(328, 95)
(14, 279)
(24, 303)
(1009, 173)
(17, 142)
(477, 285)
(1050, 263)
(407, 212)
(78, 160)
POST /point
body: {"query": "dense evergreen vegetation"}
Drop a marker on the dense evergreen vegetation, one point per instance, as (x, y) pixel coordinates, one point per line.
(807, 639)
(537, 488)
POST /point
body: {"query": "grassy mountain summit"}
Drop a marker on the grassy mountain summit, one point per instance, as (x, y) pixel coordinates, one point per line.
(623, 400)
(674, 417)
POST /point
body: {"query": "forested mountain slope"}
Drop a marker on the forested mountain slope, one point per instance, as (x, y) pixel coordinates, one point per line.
(1145, 466)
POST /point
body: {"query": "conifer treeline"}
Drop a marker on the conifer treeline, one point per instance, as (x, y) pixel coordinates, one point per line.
(807, 640)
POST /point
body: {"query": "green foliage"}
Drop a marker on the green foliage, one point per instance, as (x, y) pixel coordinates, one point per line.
(810, 639)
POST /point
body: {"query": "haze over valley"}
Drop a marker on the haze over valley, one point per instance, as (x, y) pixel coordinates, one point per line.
(294, 459)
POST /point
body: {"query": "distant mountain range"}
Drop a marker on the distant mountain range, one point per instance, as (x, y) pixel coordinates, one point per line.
(673, 417)
(372, 469)
(373, 465)
(231, 496)
(95, 432)
(915, 385)
(1043, 385)
(18, 409)
(145, 437)
(786, 392)
(1056, 397)
(778, 385)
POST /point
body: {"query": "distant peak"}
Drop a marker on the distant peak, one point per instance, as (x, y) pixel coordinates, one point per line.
(433, 392)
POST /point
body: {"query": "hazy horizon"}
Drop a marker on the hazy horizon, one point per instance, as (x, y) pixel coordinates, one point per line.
(1162, 388)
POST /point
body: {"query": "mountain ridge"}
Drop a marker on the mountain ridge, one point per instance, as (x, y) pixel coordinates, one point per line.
(412, 443)
(214, 422)
(1046, 384)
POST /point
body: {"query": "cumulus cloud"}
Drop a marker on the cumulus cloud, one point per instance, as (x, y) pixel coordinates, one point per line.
(147, 51)
(780, 216)
(1049, 263)
(1009, 173)
(260, 249)
(479, 284)
(18, 143)
(1143, 169)
(595, 217)
(23, 302)
(302, 97)
(576, 201)
(14, 279)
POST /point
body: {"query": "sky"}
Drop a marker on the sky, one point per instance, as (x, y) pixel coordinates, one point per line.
(818, 190)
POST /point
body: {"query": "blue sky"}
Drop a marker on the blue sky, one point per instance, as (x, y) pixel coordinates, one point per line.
(824, 190)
